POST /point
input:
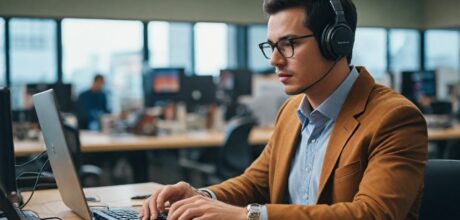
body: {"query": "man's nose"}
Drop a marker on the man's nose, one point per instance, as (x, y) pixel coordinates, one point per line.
(277, 59)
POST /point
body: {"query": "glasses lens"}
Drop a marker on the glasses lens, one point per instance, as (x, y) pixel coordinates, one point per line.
(286, 49)
(266, 50)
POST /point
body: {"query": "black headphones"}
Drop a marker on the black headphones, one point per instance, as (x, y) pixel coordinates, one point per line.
(337, 38)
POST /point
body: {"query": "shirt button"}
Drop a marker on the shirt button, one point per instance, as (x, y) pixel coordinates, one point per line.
(308, 168)
(306, 197)
(313, 141)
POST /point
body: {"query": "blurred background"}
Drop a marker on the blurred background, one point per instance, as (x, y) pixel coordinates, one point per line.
(196, 64)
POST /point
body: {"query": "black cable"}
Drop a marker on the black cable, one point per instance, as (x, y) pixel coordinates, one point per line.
(30, 173)
(32, 160)
(35, 185)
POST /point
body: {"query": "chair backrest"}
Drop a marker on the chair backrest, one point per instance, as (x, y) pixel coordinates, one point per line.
(235, 154)
(441, 197)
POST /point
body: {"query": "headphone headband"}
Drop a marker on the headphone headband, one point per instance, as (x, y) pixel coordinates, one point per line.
(337, 37)
(338, 10)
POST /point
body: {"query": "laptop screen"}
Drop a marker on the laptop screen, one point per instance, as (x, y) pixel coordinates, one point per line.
(59, 154)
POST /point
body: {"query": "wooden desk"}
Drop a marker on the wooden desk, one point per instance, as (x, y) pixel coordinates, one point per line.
(48, 203)
(98, 142)
(438, 134)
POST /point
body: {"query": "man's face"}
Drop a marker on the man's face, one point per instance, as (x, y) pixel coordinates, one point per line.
(99, 84)
(307, 64)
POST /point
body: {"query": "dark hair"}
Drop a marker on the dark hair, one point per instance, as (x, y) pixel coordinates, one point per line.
(98, 77)
(318, 13)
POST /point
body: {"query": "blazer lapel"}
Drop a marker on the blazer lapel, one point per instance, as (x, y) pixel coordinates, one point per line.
(289, 141)
(345, 125)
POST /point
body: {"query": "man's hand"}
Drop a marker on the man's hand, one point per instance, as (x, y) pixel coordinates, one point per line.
(169, 193)
(203, 208)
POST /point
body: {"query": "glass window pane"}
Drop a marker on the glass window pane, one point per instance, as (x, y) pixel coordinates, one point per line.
(404, 50)
(257, 62)
(108, 47)
(170, 44)
(2, 53)
(231, 46)
(370, 50)
(211, 48)
(33, 55)
(442, 49)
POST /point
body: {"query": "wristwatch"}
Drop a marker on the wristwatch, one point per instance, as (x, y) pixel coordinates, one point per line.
(253, 211)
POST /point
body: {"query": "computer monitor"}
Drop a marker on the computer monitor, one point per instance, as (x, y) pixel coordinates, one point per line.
(235, 82)
(416, 84)
(162, 84)
(63, 91)
(7, 159)
(199, 90)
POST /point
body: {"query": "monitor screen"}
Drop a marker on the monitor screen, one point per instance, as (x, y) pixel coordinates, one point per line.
(416, 84)
(63, 91)
(199, 90)
(166, 82)
(162, 84)
(235, 82)
(226, 80)
(7, 159)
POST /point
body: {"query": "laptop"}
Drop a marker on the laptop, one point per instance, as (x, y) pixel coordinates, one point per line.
(63, 166)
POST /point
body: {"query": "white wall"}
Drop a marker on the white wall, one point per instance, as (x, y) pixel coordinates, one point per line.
(389, 13)
(442, 13)
(237, 11)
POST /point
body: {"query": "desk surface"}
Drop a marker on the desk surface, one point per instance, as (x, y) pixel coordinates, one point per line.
(438, 134)
(48, 203)
(98, 142)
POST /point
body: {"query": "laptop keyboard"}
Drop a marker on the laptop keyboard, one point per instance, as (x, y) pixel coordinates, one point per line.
(103, 214)
(119, 213)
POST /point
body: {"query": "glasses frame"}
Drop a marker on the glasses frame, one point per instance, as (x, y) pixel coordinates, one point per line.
(290, 40)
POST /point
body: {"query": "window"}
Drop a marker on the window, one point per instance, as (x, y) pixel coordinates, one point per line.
(170, 44)
(33, 56)
(442, 49)
(215, 48)
(257, 62)
(2, 53)
(108, 47)
(370, 50)
(404, 50)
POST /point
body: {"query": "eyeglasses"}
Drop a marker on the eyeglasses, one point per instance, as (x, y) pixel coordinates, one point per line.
(284, 46)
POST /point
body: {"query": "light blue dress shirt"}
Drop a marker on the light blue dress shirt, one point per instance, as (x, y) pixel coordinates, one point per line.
(316, 129)
(308, 159)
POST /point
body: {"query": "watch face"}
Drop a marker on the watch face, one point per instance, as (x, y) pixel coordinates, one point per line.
(254, 211)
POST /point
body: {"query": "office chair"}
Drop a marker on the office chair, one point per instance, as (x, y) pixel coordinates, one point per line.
(441, 197)
(90, 175)
(232, 158)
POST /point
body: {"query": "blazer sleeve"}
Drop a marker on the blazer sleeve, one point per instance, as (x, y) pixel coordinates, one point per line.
(393, 177)
(253, 185)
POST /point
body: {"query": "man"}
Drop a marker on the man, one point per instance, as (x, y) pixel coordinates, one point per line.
(342, 147)
(92, 103)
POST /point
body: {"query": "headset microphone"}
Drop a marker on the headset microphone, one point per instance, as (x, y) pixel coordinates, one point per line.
(321, 78)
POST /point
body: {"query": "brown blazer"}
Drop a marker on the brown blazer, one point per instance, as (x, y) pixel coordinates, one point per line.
(373, 167)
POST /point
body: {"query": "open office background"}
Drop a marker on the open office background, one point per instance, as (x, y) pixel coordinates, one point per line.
(65, 41)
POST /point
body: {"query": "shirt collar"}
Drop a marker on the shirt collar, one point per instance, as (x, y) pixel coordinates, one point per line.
(329, 108)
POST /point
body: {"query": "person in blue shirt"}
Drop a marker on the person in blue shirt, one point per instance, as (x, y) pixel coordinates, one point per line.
(91, 104)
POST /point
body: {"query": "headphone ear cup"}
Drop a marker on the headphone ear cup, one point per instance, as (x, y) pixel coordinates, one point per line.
(324, 44)
(337, 41)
